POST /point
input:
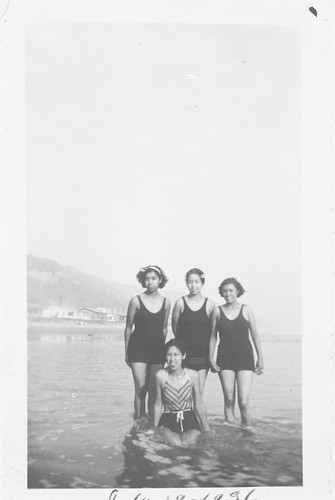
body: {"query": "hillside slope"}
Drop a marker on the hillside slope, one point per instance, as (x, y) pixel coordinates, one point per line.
(49, 283)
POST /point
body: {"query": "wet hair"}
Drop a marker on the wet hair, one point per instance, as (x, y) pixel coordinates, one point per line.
(197, 271)
(156, 269)
(232, 281)
(176, 343)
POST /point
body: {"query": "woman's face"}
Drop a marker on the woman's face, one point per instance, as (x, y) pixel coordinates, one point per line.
(151, 281)
(229, 293)
(174, 358)
(194, 284)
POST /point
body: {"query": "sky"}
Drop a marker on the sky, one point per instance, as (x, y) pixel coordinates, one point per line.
(169, 144)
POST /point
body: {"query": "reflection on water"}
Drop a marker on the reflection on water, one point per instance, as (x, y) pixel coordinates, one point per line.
(269, 454)
(80, 395)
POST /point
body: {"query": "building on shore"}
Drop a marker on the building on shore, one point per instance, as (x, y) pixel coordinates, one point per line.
(91, 314)
(84, 314)
(112, 315)
(34, 310)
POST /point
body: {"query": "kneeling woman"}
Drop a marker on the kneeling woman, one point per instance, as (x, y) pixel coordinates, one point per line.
(178, 391)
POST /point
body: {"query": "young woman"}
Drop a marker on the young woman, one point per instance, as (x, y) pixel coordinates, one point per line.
(235, 360)
(144, 345)
(191, 323)
(178, 391)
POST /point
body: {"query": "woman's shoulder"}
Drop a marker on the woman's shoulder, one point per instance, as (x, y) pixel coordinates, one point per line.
(246, 310)
(161, 374)
(193, 374)
(210, 304)
(179, 304)
(134, 301)
(167, 302)
(216, 310)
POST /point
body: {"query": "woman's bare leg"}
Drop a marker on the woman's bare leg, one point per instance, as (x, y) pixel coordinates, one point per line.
(189, 437)
(152, 370)
(169, 437)
(202, 379)
(244, 382)
(139, 371)
(227, 379)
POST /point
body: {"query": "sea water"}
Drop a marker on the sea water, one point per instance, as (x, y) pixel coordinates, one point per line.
(81, 432)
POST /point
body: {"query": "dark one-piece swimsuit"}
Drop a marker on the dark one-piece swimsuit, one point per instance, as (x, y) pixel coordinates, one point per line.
(235, 349)
(178, 413)
(194, 330)
(146, 343)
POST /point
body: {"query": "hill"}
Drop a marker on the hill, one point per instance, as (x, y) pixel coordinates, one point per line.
(49, 283)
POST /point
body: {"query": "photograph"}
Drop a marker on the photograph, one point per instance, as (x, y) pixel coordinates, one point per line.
(167, 309)
(163, 267)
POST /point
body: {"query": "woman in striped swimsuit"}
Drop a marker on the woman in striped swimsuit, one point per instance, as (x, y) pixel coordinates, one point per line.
(178, 395)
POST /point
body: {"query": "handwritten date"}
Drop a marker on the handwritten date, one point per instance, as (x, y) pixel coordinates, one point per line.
(235, 495)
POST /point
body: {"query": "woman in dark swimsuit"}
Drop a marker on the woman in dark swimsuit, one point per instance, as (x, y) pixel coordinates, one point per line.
(144, 345)
(235, 360)
(191, 323)
(178, 392)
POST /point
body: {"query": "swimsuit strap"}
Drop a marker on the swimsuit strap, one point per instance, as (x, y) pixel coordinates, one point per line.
(205, 305)
(240, 313)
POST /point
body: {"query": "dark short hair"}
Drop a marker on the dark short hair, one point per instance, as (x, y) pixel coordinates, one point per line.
(197, 271)
(156, 269)
(176, 343)
(232, 281)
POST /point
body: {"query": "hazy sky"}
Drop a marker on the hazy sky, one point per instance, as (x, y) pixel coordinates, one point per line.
(170, 144)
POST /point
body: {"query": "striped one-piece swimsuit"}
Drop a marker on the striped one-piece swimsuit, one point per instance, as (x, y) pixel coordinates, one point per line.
(178, 415)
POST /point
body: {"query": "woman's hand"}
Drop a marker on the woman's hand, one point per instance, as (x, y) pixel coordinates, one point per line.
(213, 366)
(259, 367)
(126, 359)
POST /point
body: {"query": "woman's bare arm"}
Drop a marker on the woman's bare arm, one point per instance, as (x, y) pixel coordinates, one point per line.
(213, 339)
(158, 398)
(132, 308)
(255, 337)
(177, 310)
(166, 318)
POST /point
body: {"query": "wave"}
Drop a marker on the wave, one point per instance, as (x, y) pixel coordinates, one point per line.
(268, 454)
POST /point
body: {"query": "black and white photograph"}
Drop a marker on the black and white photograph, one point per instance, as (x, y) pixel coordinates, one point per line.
(168, 337)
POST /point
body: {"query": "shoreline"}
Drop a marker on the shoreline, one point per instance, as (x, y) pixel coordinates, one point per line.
(66, 324)
(71, 328)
